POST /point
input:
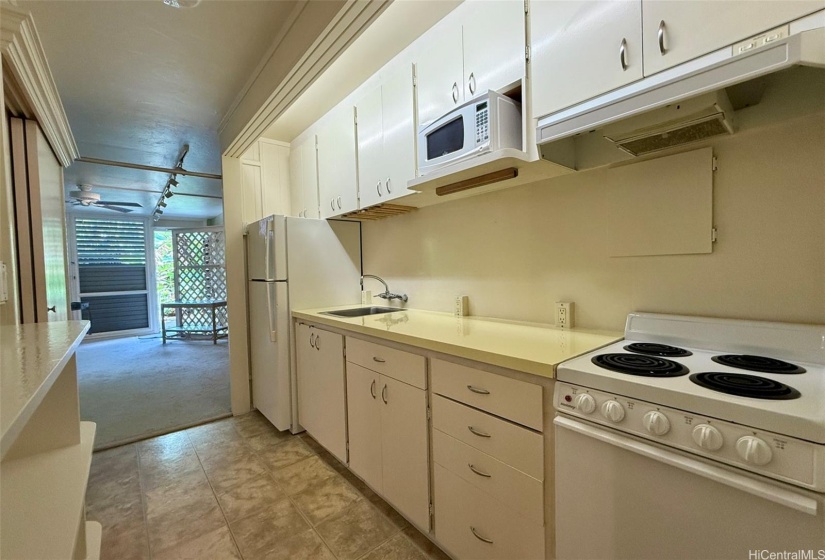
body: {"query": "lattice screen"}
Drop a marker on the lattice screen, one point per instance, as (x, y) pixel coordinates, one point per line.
(200, 273)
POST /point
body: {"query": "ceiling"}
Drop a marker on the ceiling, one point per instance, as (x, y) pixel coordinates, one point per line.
(139, 79)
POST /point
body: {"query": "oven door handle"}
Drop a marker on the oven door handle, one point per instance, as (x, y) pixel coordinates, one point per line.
(758, 488)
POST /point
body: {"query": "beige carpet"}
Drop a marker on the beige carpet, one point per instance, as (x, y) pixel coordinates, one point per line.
(135, 388)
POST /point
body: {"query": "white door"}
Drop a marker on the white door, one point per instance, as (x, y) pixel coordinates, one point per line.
(582, 49)
(364, 420)
(398, 109)
(309, 175)
(337, 169)
(370, 148)
(619, 497)
(691, 28)
(321, 390)
(440, 68)
(494, 44)
(404, 449)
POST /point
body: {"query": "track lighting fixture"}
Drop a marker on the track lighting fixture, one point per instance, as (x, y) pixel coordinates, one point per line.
(173, 182)
(159, 211)
(168, 193)
(162, 204)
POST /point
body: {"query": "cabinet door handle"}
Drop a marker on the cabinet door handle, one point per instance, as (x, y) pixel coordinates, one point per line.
(339, 203)
(332, 204)
(455, 92)
(305, 212)
(471, 83)
(312, 340)
(389, 190)
(623, 54)
(379, 360)
(52, 309)
(317, 342)
(384, 394)
(478, 390)
(372, 388)
(478, 472)
(661, 35)
(479, 433)
(378, 188)
(479, 537)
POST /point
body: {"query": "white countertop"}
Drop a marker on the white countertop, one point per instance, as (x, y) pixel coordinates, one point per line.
(31, 358)
(528, 347)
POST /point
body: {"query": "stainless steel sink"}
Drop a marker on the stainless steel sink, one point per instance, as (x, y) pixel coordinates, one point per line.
(360, 312)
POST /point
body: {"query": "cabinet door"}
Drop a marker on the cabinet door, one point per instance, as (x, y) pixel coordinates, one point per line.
(692, 28)
(274, 179)
(398, 109)
(583, 49)
(440, 69)
(404, 449)
(494, 44)
(370, 160)
(337, 170)
(321, 397)
(296, 181)
(309, 163)
(251, 192)
(364, 419)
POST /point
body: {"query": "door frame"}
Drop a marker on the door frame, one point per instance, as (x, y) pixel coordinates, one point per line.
(151, 288)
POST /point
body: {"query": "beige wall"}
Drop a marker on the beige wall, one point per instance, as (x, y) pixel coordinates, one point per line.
(517, 251)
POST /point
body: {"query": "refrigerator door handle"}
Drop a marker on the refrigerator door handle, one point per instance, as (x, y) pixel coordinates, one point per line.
(271, 311)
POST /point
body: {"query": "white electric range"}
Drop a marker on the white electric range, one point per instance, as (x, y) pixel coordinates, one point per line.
(694, 437)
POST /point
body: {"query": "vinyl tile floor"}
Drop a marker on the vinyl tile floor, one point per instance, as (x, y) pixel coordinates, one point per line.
(238, 488)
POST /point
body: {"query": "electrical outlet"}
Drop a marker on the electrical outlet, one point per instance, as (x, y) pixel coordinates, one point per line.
(4, 290)
(462, 306)
(564, 314)
(366, 297)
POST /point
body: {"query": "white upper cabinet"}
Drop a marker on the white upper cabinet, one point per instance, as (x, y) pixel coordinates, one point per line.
(386, 138)
(678, 30)
(494, 44)
(582, 49)
(337, 172)
(275, 185)
(251, 207)
(303, 179)
(480, 46)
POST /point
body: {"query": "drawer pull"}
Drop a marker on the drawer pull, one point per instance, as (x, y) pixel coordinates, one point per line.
(479, 433)
(478, 472)
(479, 537)
(379, 360)
(478, 390)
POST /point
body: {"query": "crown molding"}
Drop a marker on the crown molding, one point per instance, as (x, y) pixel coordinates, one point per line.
(27, 74)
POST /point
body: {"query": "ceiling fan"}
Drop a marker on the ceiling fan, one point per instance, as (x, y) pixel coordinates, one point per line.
(85, 197)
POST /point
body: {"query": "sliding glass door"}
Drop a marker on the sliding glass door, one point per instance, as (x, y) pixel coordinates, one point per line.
(112, 272)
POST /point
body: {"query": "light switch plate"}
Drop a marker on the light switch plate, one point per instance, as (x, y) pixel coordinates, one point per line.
(4, 282)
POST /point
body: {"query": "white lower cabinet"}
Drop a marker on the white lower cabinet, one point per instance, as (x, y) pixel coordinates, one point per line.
(388, 445)
(321, 396)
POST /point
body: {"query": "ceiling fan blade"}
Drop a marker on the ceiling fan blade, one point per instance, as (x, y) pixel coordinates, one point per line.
(115, 208)
(109, 203)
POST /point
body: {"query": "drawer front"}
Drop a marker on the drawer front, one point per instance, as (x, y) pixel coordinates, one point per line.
(507, 442)
(515, 400)
(511, 487)
(465, 515)
(403, 366)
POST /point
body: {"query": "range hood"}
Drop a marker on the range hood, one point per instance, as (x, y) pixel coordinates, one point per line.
(685, 104)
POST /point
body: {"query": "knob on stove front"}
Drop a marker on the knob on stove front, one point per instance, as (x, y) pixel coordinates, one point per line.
(584, 403)
(754, 450)
(707, 437)
(613, 411)
(656, 423)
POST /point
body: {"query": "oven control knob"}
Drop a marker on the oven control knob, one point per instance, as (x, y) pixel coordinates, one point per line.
(584, 403)
(754, 450)
(613, 411)
(707, 437)
(656, 423)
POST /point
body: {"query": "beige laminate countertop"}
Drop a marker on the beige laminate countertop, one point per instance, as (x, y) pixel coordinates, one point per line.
(31, 358)
(528, 347)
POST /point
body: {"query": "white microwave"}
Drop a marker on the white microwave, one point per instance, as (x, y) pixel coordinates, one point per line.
(487, 123)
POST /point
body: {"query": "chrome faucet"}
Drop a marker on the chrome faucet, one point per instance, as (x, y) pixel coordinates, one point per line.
(388, 295)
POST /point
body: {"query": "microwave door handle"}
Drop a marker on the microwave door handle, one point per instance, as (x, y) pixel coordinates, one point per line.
(272, 312)
(754, 487)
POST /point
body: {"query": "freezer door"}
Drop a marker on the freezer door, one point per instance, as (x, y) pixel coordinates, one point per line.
(266, 249)
(269, 351)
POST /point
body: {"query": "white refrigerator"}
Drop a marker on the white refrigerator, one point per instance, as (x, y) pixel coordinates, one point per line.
(293, 263)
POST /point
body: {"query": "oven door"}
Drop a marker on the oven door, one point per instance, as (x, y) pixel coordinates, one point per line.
(449, 140)
(621, 497)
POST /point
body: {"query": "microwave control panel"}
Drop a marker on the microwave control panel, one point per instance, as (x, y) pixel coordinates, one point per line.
(482, 123)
